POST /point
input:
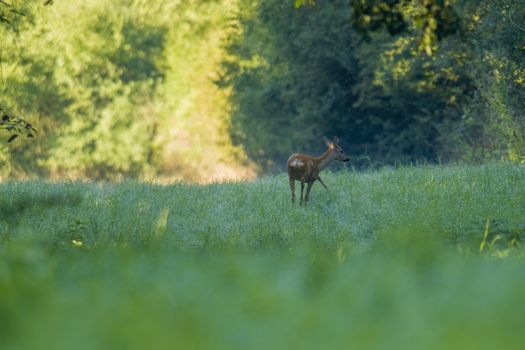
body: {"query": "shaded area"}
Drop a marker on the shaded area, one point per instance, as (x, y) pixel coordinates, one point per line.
(397, 81)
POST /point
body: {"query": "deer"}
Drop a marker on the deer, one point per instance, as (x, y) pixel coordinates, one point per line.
(306, 168)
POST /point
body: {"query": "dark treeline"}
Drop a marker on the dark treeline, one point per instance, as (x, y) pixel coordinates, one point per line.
(397, 81)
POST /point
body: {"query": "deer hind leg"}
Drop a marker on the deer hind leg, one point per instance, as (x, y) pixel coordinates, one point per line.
(302, 190)
(292, 188)
(310, 184)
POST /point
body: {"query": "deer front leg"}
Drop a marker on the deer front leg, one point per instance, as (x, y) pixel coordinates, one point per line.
(310, 184)
(322, 183)
(326, 188)
(302, 190)
(292, 188)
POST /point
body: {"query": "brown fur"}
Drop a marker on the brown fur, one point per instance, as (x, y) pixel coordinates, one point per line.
(306, 169)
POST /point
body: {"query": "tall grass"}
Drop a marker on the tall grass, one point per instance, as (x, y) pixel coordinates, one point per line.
(426, 257)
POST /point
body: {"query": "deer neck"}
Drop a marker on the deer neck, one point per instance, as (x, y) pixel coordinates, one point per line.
(325, 159)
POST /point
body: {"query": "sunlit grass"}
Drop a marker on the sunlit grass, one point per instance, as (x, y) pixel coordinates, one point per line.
(425, 257)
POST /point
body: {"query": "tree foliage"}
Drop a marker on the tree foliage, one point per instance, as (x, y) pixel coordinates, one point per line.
(429, 80)
(157, 88)
(10, 14)
(113, 86)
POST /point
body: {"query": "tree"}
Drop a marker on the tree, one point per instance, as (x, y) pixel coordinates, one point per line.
(10, 15)
(398, 81)
(432, 19)
(121, 88)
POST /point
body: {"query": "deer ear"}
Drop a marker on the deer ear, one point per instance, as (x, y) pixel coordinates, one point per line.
(336, 140)
(327, 141)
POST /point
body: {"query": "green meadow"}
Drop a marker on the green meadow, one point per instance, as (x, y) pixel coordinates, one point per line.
(423, 257)
(142, 199)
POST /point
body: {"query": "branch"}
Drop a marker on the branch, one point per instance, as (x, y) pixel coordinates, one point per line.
(15, 125)
(514, 23)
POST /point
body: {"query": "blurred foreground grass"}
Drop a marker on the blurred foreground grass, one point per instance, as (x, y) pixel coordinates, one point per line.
(420, 258)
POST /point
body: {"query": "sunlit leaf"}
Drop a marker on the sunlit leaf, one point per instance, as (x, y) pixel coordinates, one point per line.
(298, 3)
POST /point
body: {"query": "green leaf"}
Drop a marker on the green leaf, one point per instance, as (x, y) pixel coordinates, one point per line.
(4, 19)
(12, 138)
(15, 11)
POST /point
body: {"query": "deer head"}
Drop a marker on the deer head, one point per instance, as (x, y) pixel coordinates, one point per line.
(337, 151)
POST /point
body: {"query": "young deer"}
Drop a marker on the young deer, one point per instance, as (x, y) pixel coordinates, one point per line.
(306, 168)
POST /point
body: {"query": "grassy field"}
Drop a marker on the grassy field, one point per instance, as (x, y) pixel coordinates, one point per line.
(413, 258)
